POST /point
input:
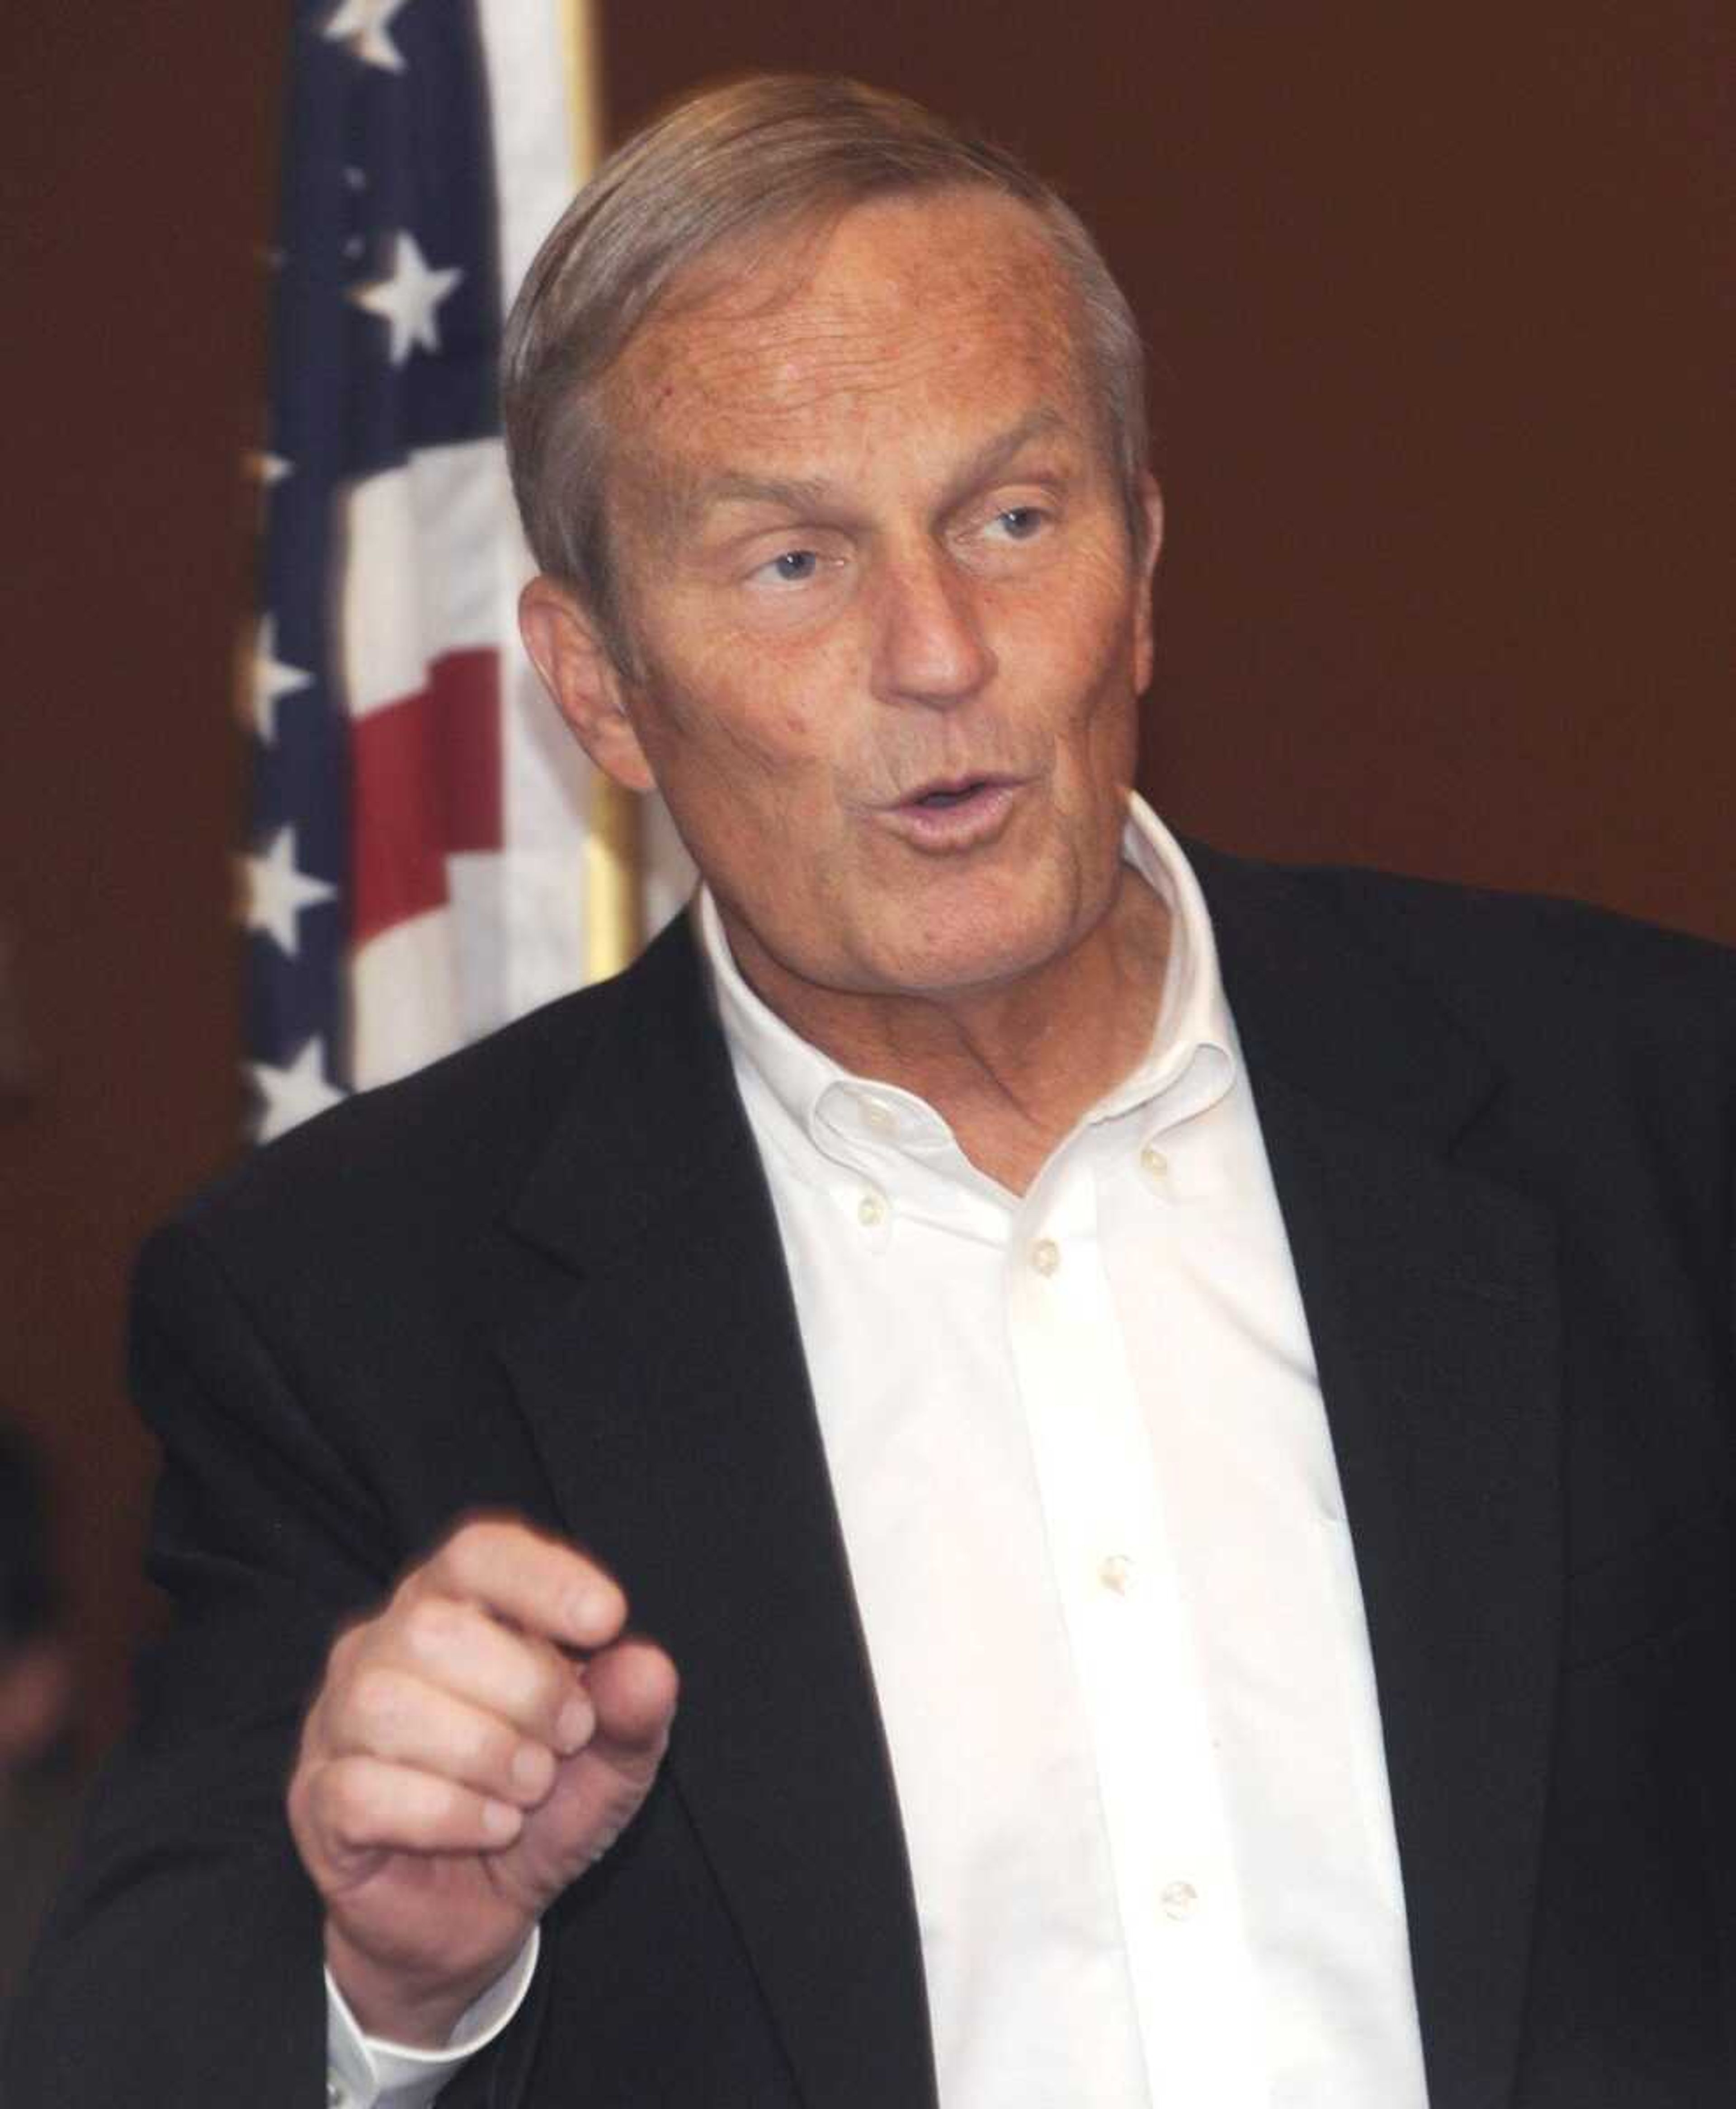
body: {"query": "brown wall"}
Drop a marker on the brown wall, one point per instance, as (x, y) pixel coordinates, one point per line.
(139, 149)
(1446, 326)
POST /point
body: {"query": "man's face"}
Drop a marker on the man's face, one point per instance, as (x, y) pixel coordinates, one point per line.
(890, 629)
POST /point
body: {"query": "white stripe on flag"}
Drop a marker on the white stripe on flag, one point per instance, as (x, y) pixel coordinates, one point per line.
(417, 581)
(405, 1007)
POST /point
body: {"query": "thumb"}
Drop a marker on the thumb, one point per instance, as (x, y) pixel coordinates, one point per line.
(633, 1686)
(598, 1791)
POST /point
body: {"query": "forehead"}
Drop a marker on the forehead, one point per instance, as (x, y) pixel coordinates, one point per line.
(901, 312)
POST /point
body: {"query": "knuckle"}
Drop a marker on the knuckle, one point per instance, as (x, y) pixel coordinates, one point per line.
(381, 1706)
(345, 1807)
(344, 1650)
(299, 1803)
(472, 1549)
(432, 1627)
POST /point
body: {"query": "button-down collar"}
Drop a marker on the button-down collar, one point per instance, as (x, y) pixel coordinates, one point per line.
(826, 1121)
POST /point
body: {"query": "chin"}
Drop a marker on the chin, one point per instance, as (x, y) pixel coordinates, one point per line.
(959, 964)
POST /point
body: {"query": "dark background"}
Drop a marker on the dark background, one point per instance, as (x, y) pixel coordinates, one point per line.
(1444, 318)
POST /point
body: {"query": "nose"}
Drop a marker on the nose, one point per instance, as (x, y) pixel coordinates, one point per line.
(930, 646)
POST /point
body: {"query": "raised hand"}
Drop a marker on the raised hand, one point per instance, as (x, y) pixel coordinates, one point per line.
(475, 1745)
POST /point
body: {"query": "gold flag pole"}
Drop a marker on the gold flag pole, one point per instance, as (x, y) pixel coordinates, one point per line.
(613, 920)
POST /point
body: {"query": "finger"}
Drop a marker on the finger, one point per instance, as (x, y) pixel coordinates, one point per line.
(598, 1794)
(634, 1687)
(534, 1582)
(395, 1715)
(359, 1806)
(527, 1683)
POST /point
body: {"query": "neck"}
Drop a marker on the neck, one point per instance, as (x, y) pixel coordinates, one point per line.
(1011, 1068)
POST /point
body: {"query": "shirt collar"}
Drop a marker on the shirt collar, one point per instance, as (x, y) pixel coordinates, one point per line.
(1191, 1063)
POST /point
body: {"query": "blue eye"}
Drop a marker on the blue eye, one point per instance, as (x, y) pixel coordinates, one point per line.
(794, 565)
(1022, 521)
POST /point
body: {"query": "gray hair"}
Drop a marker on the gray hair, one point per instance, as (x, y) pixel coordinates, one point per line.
(744, 159)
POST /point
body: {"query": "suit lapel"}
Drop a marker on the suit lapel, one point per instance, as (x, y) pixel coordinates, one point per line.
(665, 1383)
(1431, 1299)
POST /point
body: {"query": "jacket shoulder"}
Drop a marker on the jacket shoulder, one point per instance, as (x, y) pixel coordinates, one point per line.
(1503, 959)
(460, 1135)
(1354, 982)
(1500, 952)
(1490, 924)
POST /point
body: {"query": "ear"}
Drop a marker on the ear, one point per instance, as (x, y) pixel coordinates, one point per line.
(579, 673)
(1152, 501)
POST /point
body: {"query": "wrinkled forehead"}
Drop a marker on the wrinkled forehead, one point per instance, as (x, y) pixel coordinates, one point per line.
(893, 297)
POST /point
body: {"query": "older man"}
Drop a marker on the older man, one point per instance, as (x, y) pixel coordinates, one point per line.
(1188, 1505)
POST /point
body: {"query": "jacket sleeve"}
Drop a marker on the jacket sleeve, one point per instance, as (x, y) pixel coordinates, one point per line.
(183, 1960)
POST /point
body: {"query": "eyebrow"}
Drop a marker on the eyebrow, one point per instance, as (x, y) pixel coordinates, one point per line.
(813, 494)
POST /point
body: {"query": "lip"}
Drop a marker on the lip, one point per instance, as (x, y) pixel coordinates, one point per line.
(976, 817)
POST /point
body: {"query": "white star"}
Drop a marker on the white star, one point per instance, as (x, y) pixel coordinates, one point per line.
(270, 680)
(363, 26)
(407, 299)
(275, 893)
(287, 1096)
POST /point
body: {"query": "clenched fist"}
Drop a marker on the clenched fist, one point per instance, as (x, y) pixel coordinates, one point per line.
(474, 1747)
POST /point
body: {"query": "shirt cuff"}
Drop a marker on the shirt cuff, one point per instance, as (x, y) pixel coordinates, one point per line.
(366, 2072)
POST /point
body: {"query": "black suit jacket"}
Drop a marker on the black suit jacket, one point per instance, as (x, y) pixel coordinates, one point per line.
(544, 1275)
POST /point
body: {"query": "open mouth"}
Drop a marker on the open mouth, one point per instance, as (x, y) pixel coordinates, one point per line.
(941, 793)
(954, 813)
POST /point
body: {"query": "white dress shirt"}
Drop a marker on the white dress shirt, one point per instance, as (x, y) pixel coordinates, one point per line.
(1097, 1539)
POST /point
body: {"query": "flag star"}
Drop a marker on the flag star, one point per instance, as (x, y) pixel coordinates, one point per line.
(364, 26)
(276, 892)
(408, 298)
(290, 1095)
(271, 680)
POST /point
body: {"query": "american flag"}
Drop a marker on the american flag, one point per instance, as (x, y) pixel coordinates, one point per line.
(416, 870)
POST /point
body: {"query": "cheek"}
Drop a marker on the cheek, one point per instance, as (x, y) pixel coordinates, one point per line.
(735, 774)
(1094, 687)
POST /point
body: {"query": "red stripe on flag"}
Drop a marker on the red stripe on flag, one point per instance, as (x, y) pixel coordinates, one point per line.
(467, 703)
(425, 782)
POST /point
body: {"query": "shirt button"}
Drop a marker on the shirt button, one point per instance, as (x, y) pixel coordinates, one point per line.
(1116, 1574)
(1045, 1256)
(335, 2096)
(1178, 1899)
(871, 1210)
(1151, 1159)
